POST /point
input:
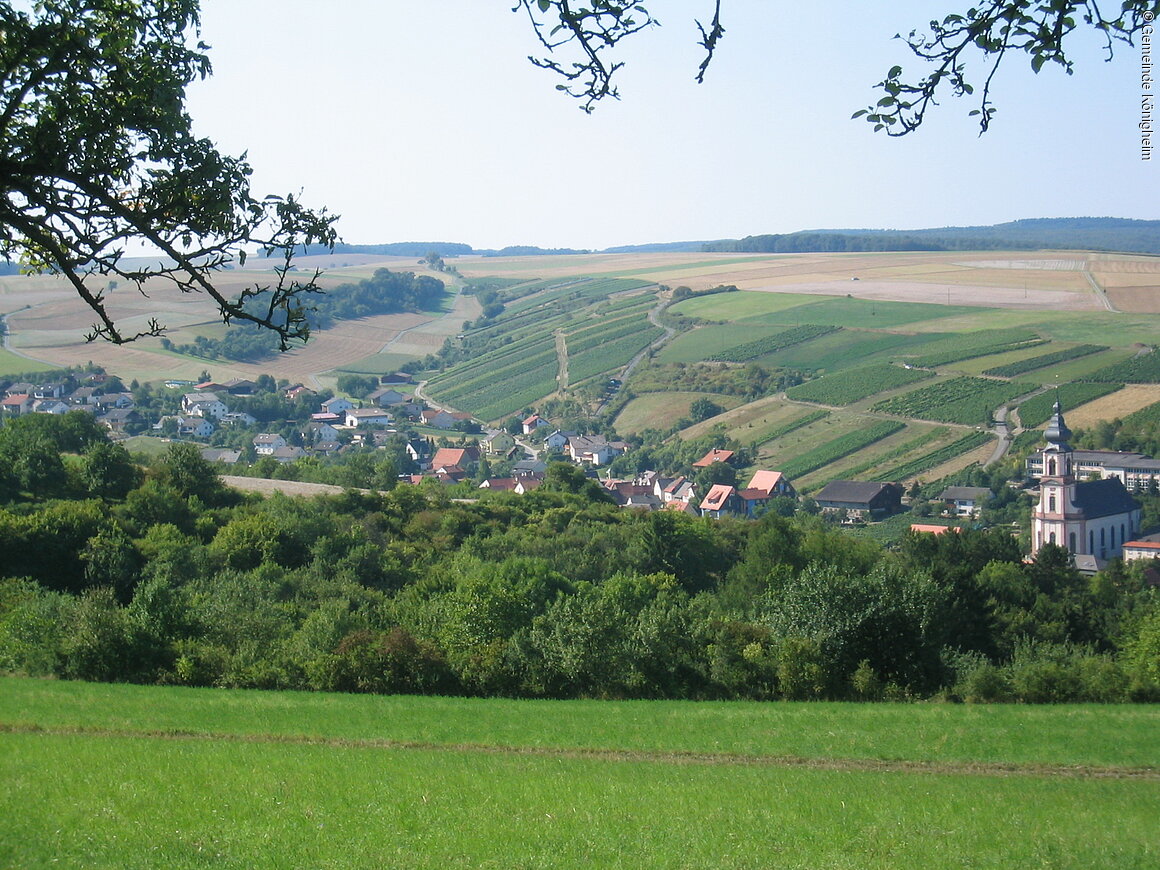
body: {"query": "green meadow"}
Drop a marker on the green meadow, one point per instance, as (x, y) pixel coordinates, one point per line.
(129, 776)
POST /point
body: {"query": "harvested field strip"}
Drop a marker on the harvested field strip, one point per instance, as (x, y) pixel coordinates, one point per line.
(1044, 360)
(839, 447)
(1038, 408)
(845, 388)
(972, 768)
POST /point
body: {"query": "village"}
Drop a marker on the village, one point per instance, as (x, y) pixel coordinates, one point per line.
(1083, 497)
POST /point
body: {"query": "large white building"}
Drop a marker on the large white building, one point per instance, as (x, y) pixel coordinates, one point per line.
(1090, 518)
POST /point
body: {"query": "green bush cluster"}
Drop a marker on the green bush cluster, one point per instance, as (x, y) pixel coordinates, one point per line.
(172, 578)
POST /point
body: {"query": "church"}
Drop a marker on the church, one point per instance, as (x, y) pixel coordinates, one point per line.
(1091, 518)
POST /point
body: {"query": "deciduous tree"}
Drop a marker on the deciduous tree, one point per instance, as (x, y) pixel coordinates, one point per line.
(98, 154)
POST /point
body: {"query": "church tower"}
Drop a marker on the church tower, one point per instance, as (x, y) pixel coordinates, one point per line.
(1089, 518)
(1057, 518)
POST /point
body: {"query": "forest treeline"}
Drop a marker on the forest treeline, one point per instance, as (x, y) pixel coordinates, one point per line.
(164, 575)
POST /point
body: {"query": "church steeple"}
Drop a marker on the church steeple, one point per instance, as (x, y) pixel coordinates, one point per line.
(1057, 432)
(1057, 458)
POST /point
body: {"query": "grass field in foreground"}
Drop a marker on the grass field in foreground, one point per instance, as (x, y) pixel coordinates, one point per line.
(128, 776)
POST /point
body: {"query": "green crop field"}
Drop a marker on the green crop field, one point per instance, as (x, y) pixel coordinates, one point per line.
(845, 311)
(134, 777)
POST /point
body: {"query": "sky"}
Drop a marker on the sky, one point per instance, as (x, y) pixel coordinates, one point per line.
(424, 121)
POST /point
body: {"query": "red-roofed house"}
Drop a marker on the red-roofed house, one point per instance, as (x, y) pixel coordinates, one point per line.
(714, 455)
(459, 457)
(772, 483)
(719, 501)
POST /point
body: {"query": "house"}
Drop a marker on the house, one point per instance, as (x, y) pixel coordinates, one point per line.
(224, 455)
(773, 483)
(316, 431)
(714, 455)
(719, 501)
(458, 457)
(15, 405)
(50, 406)
(298, 391)
(197, 427)
(117, 419)
(437, 418)
(591, 449)
(288, 453)
(528, 482)
(532, 423)
(384, 398)
(48, 391)
(81, 395)
(1147, 547)
(113, 400)
(558, 440)
(499, 484)
(337, 405)
(240, 387)
(326, 448)
(677, 489)
(266, 443)
(931, 529)
(860, 499)
(1090, 518)
(965, 501)
(238, 418)
(210, 387)
(396, 378)
(419, 449)
(203, 405)
(498, 443)
(529, 468)
(356, 417)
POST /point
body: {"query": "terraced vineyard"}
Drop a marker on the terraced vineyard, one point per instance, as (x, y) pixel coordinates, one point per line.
(772, 343)
(969, 345)
(1043, 360)
(965, 400)
(839, 448)
(853, 385)
(1037, 409)
(924, 463)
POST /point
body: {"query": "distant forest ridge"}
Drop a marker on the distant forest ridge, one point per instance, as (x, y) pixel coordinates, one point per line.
(1101, 234)
(1082, 233)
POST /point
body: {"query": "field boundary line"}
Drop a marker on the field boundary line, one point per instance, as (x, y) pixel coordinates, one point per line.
(869, 765)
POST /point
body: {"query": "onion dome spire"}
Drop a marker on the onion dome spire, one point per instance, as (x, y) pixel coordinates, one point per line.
(1057, 432)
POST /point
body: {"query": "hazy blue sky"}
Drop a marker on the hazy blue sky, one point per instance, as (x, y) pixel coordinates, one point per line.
(423, 120)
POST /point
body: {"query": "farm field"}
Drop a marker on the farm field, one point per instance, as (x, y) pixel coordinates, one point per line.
(578, 318)
(662, 410)
(130, 776)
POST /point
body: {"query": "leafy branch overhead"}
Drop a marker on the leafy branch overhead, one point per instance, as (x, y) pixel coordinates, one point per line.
(1040, 28)
(98, 157)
